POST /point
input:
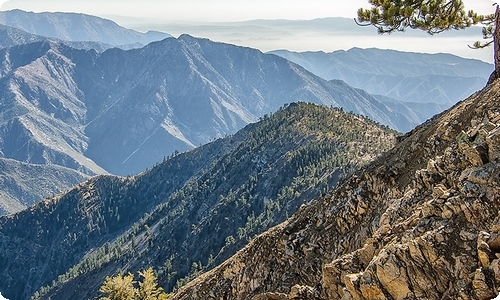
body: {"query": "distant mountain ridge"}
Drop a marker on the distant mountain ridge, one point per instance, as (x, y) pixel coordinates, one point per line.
(78, 28)
(10, 36)
(436, 80)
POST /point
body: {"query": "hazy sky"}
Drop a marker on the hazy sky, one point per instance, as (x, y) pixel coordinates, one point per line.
(184, 16)
(211, 10)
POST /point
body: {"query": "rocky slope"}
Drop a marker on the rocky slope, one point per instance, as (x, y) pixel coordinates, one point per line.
(421, 222)
(236, 187)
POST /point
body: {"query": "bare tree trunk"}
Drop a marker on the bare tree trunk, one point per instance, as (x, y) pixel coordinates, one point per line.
(496, 48)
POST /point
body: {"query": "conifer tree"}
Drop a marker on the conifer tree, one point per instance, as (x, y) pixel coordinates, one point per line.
(118, 288)
(432, 16)
(125, 287)
(148, 288)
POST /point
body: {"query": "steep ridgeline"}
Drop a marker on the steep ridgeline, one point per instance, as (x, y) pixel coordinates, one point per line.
(438, 80)
(123, 111)
(421, 222)
(22, 184)
(76, 27)
(187, 214)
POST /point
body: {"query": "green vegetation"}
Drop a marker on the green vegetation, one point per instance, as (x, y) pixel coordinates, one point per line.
(192, 211)
(123, 287)
(431, 16)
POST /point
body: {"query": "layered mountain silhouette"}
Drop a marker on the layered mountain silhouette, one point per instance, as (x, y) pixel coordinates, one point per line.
(77, 27)
(197, 207)
(426, 83)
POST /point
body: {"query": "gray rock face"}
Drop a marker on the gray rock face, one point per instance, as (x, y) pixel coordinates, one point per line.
(123, 111)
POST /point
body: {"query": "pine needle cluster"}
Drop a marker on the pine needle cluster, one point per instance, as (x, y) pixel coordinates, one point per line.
(431, 16)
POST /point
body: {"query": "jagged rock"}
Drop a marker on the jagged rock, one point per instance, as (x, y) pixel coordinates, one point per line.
(428, 229)
(440, 192)
(494, 242)
(271, 296)
(303, 292)
(493, 141)
(473, 154)
(483, 249)
(482, 284)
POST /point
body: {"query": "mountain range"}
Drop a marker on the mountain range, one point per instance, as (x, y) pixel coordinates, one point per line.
(67, 105)
(434, 81)
(74, 107)
(123, 111)
(207, 202)
(327, 34)
(421, 221)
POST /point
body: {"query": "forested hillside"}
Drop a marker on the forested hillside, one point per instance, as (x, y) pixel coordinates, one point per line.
(190, 212)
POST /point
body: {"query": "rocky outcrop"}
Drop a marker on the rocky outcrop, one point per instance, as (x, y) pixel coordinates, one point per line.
(422, 222)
